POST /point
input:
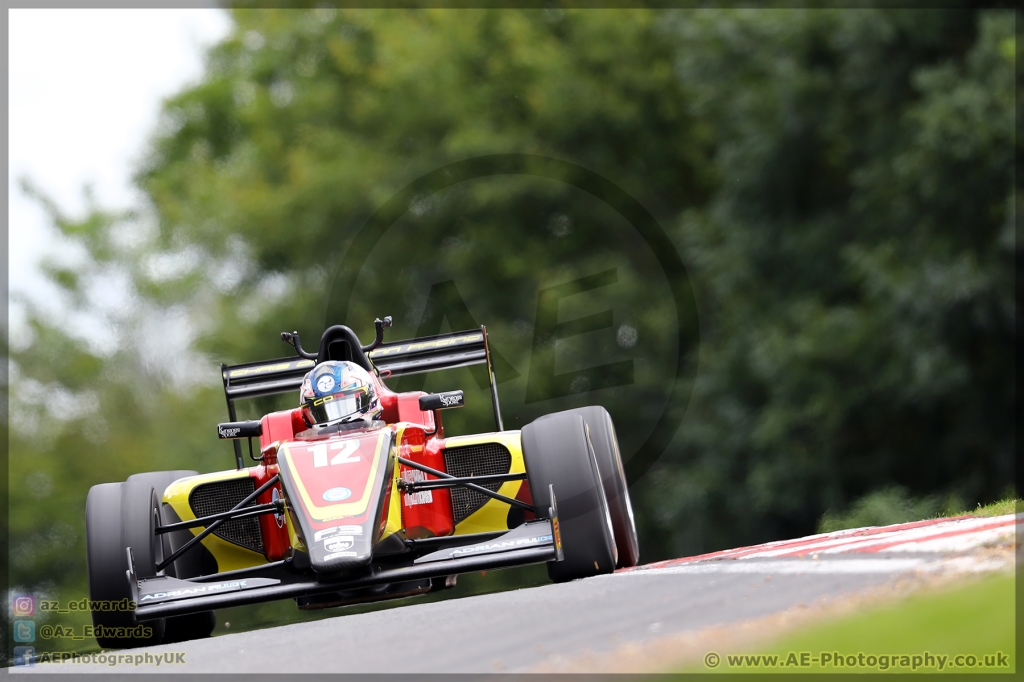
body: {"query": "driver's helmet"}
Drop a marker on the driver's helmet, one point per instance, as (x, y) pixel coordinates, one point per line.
(338, 392)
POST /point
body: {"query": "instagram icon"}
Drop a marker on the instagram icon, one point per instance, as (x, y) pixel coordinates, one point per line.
(23, 605)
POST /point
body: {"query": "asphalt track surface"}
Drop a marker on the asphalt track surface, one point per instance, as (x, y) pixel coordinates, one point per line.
(522, 629)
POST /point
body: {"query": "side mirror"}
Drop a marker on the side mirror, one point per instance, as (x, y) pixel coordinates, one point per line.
(237, 430)
(442, 401)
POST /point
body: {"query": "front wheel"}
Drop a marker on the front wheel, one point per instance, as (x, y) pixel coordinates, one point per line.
(559, 455)
(117, 516)
(193, 563)
(122, 515)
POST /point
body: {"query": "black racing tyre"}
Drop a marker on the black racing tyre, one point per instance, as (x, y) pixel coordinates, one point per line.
(557, 453)
(192, 563)
(613, 479)
(120, 515)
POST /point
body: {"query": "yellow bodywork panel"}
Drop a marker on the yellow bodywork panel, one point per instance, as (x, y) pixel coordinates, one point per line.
(229, 556)
(494, 514)
(394, 523)
(293, 536)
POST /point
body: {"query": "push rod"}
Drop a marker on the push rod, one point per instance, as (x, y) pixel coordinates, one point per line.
(413, 486)
(472, 486)
(258, 510)
(216, 524)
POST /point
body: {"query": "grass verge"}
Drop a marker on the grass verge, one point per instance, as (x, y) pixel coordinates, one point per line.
(894, 504)
(1008, 506)
(967, 629)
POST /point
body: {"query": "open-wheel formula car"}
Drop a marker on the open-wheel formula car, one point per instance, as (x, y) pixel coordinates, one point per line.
(356, 495)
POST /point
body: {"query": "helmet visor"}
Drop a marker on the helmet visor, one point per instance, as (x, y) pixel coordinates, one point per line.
(339, 405)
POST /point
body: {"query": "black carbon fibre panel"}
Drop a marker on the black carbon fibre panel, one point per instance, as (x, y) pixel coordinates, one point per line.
(475, 460)
(221, 496)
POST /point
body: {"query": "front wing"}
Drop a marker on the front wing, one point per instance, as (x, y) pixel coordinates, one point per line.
(160, 597)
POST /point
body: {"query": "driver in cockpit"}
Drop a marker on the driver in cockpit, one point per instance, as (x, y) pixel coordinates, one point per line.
(338, 392)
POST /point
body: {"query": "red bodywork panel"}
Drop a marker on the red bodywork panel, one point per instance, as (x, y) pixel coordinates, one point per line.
(281, 426)
(405, 407)
(275, 533)
(277, 427)
(426, 513)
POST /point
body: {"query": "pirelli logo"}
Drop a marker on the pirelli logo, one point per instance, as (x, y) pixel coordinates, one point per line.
(402, 349)
(266, 369)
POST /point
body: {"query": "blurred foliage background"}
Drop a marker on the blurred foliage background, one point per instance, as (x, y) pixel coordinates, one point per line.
(838, 183)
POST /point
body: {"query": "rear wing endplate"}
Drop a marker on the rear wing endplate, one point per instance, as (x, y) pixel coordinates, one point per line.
(414, 356)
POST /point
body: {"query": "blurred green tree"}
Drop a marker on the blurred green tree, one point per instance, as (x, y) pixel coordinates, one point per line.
(857, 263)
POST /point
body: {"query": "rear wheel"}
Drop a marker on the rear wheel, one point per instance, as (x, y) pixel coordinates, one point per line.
(558, 454)
(613, 480)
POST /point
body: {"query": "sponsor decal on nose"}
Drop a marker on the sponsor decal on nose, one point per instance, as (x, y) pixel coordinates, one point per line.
(337, 494)
(329, 533)
(338, 544)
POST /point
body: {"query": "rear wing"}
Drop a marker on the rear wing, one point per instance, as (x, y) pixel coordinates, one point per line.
(414, 356)
(430, 353)
(269, 377)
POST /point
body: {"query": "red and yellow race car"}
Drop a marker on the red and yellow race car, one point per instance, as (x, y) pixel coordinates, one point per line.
(356, 495)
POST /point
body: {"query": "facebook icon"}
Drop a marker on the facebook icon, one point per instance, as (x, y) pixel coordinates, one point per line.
(25, 655)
